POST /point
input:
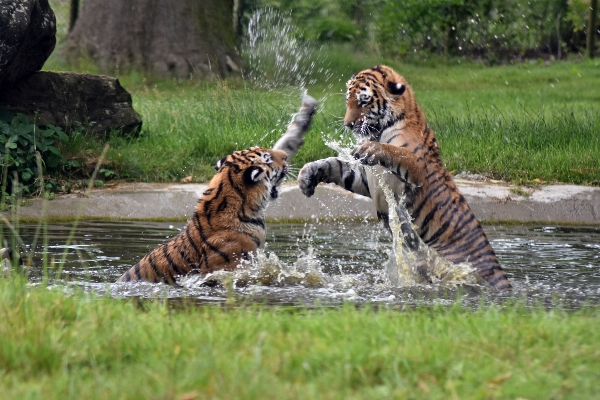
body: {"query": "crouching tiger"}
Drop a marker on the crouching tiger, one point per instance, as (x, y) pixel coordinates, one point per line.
(393, 135)
(229, 220)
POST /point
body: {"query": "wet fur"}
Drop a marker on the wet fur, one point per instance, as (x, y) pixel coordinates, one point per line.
(228, 223)
(393, 135)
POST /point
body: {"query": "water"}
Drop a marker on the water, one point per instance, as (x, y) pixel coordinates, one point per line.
(323, 263)
(328, 263)
(410, 258)
(277, 56)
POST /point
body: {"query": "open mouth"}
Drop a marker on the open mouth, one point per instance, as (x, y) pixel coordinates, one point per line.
(274, 192)
(360, 135)
(281, 176)
(364, 132)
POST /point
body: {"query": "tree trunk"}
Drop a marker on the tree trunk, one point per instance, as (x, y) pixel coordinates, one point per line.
(165, 38)
(238, 7)
(73, 14)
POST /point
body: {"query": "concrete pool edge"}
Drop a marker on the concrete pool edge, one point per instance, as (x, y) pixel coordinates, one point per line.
(497, 202)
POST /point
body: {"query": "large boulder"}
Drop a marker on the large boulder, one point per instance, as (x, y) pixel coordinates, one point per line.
(27, 37)
(69, 100)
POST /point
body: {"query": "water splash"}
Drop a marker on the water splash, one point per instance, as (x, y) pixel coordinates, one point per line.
(264, 269)
(277, 56)
(351, 255)
(402, 266)
(422, 264)
(408, 264)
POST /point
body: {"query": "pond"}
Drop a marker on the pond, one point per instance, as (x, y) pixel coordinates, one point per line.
(325, 264)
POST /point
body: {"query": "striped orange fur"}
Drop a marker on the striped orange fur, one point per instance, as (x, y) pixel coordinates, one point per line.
(393, 135)
(229, 222)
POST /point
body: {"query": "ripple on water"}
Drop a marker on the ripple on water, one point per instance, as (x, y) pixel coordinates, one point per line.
(327, 263)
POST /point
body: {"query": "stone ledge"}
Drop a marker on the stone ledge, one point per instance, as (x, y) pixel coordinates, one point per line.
(567, 204)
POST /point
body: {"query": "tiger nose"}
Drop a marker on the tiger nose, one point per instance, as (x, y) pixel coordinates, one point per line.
(281, 154)
(349, 118)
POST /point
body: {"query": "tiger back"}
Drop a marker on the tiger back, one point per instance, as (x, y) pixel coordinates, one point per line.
(228, 223)
(393, 136)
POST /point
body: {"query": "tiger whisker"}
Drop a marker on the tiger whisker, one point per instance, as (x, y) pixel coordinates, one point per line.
(383, 111)
(292, 177)
(293, 174)
(231, 209)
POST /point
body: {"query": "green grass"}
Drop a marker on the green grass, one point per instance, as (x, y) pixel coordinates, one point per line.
(189, 128)
(514, 122)
(519, 123)
(80, 346)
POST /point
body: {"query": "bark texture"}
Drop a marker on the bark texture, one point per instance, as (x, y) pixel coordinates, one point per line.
(69, 100)
(27, 37)
(166, 38)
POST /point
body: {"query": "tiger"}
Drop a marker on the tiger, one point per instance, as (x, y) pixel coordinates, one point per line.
(228, 223)
(393, 135)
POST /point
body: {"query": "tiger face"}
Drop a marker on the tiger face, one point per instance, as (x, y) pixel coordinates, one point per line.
(384, 115)
(255, 169)
(228, 224)
(376, 98)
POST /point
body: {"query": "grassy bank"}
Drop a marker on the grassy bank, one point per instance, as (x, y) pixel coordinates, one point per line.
(527, 122)
(78, 346)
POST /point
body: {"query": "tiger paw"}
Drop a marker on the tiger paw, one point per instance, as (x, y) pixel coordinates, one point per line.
(293, 139)
(309, 177)
(372, 153)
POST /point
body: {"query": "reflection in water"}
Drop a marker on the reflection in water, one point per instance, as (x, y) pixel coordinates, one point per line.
(328, 263)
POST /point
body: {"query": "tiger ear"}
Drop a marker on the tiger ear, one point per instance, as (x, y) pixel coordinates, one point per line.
(349, 81)
(396, 88)
(220, 163)
(253, 175)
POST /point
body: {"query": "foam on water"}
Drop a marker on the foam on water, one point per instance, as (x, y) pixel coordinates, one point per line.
(265, 269)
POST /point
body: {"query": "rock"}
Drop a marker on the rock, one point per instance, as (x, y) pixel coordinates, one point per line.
(27, 37)
(7, 258)
(69, 99)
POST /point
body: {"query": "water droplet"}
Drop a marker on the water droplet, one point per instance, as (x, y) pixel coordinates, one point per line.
(275, 55)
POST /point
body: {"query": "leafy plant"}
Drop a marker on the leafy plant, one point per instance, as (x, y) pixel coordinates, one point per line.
(23, 141)
(324, 20)
(490, 30)
(108, 173)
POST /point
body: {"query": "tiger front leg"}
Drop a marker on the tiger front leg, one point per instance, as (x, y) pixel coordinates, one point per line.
(351, 177)
(293, 138)
(400, 161)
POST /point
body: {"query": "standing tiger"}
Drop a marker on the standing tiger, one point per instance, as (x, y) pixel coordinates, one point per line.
(229, 221)
(393, 135)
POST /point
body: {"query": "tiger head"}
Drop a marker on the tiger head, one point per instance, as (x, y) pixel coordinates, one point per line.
(255, 170)
(376, 99)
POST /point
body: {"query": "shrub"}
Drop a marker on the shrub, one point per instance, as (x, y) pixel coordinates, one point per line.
(494, 30)
(23, 143)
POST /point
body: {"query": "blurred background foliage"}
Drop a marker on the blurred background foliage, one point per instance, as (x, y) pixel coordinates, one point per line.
(533, 121)
(489, 30)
